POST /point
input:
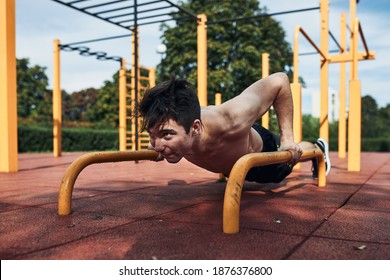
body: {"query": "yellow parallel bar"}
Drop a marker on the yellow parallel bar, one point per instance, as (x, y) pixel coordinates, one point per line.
(71, 174)
(8, 96)
(232, 200)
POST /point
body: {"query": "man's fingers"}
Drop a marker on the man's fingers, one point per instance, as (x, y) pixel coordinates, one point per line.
(295, 156)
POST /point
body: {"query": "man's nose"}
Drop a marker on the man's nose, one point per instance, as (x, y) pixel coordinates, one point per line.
(158, 146)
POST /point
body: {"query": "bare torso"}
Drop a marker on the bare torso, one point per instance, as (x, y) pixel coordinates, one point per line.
(224, 133)
(222, 142)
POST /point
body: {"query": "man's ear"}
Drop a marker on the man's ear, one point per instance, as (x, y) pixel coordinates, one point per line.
(196, 127)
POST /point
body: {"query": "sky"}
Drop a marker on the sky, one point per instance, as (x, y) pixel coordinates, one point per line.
(39, 22)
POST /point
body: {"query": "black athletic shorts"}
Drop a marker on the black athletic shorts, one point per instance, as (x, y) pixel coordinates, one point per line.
(273, 173)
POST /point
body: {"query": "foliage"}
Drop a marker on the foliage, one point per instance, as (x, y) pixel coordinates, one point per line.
(234, 62)
(381, 144)
(79, 104)
(375, 121)
(34, 139)
(234, 47)
(40, 139)
(105, 112)
(310, 128)
(34, 99)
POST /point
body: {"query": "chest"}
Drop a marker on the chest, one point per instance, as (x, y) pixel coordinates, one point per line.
(220, 154)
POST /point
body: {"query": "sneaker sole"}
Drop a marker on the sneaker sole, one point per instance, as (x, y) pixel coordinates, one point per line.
(326, 154)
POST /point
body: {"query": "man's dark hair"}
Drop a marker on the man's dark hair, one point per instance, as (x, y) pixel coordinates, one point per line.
(170, 99)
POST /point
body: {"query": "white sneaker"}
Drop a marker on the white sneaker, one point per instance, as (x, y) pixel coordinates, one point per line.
(324, 146)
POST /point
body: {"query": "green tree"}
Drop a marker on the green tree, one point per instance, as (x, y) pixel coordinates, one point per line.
(371, 124)
(234, 47)
(79, 105)
(310, 128)
(104, 112)
(34, 99)
(384, 119)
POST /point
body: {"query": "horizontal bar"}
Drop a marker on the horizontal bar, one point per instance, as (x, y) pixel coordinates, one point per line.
(262, 15)
(130, 14)
(157, 21)
(74, 2)
(71, 174)
(194, 16)
(147, 17)
(232, 200)
(103, 4)
(347, 57)
(85, 12)
(313, 53)
(97, 40)
(138, 12)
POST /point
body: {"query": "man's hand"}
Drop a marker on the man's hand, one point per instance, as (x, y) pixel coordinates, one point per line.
(294, 149)
(159, 157)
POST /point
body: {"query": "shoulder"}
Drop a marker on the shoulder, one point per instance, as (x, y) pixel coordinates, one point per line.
(220, 121)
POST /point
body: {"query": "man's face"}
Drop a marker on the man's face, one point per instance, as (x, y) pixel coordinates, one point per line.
(170, 140)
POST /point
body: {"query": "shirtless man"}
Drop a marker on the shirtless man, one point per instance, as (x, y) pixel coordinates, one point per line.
(215, 137)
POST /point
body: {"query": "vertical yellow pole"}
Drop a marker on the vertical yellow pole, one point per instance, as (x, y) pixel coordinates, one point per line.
(57, 102)
(202, 59)
(8, 96)
(354, 123)
(342, 118)
(352, 16)
(132, 91)
(122, 107)
(265, 73)
(324, 83)
(152, 77)
(296, 89)
(139, 122)
(218, 101)
(295, 54)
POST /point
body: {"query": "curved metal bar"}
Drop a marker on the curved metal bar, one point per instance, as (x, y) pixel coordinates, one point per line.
(232, 200)
(71, 174)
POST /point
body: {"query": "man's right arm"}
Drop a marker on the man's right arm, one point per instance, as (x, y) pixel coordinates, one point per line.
(255, 101)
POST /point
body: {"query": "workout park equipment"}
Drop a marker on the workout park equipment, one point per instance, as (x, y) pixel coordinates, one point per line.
(232, 199)
(8, 119)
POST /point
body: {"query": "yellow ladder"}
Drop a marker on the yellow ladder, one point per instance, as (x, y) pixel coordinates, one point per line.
(146, 79)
